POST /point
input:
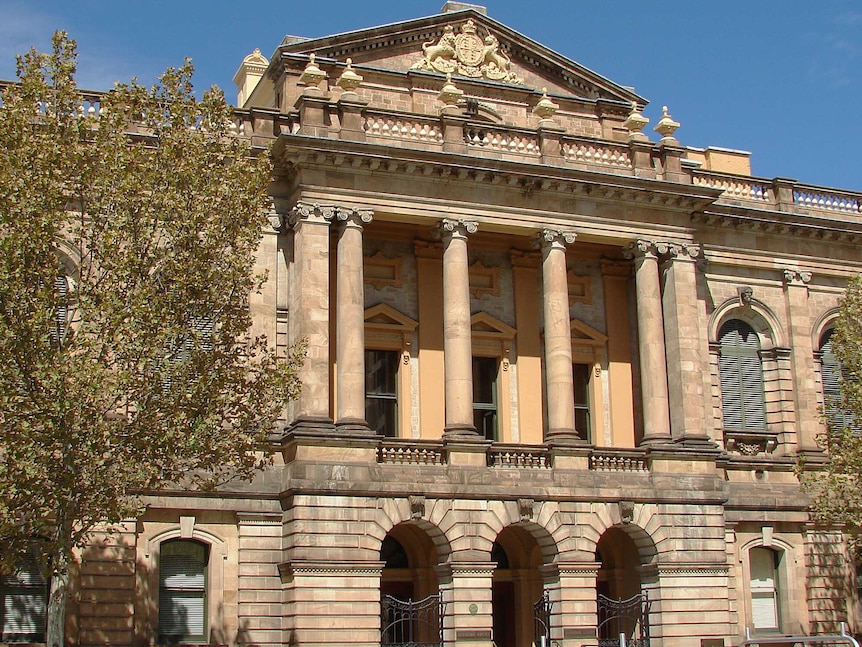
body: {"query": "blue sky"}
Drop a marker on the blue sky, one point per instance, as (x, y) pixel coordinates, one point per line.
(779, 78)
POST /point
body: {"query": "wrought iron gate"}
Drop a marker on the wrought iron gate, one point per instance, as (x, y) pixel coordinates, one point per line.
(409, 623)
(542, 620)
(629, 617)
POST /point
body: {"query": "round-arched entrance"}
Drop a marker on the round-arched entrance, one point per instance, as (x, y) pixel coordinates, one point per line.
(518, 589)
(622, 597)
(410, 605)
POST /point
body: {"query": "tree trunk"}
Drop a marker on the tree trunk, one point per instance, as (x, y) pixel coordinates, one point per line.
(56, 629)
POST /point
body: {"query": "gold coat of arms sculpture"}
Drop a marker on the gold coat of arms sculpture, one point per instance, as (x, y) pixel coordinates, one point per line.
(467, 54)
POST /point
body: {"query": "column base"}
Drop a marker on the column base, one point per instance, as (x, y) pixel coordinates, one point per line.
(564, 438)
(310, 425)
(462, 433)
(656, 440)
(353, 427)
(696, 441)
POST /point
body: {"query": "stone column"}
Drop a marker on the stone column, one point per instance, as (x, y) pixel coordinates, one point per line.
(558, 335)
(685, 362)
(805, 388)
(457, 340)
(350, 322)
(309, 318)
(574, 613)
(653, 369)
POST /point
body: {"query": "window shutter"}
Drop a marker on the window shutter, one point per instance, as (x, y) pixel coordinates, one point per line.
(25, 598)
(182, 589)
(830, 376)
(741, 377)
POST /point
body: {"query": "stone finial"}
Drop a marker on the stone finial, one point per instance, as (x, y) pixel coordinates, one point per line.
(349, 79)
(635, 122)
(545, 108)
(666, 126)
(449, 94)
(312, 75)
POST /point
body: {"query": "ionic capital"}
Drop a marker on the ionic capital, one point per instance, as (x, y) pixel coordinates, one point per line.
(278, 221)
(794, 276)
(554, 238)
(311, 213)
(350, 217)
(641, 248)
(678, 251)
(455, 228)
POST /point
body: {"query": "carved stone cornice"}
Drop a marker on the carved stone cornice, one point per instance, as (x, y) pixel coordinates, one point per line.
(622, 269)
(793, 276)
(427, 249)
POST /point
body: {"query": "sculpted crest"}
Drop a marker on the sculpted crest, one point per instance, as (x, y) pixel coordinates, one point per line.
(467, 54)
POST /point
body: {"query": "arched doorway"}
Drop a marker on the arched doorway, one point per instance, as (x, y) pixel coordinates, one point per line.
(622, 601)
(517, 587)
(411, 611)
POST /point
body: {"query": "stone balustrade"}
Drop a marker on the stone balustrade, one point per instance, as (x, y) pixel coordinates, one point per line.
(617, 460)
(519, 456)
(502, 140)
(384, 126)
(406, 452)
(524, 144)
(735, 186)
(591, 153)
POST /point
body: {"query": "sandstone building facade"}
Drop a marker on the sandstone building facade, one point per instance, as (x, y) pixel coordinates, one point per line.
(555, 363)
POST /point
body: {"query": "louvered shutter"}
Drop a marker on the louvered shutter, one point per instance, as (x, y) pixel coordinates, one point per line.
(61, 321)
(741, 377)
(830, 376)
(764, 592)
(25, 598)
(182, 589)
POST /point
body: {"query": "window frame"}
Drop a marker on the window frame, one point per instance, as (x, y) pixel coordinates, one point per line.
(386, 329)
(775, 593)
(203, 636)
(492, 338)
(390, 397)
(484, 408)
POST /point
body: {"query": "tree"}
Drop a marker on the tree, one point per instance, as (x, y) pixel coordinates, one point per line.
(836, 489)
(127, 360)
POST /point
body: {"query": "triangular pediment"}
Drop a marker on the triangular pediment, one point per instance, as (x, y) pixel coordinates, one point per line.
(383, 316)
(468, 44)
(586, 335)
(485, 325)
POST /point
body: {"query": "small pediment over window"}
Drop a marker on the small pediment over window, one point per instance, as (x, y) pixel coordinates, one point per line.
(585, 335)
(484, 325)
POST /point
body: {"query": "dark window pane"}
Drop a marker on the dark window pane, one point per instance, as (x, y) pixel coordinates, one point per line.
(485, 396)
(381, 392)
(581, 378)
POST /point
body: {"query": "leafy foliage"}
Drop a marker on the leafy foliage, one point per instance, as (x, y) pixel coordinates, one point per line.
(837, 489)
(154, 212)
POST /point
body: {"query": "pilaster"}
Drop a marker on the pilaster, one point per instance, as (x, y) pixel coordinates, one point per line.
(310, 312)
(685, 361)
(804, 385)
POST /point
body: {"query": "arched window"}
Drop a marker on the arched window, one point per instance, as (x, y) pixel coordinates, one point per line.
(741, 377)
(830, 377)
(183, 590)
(764, 588)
